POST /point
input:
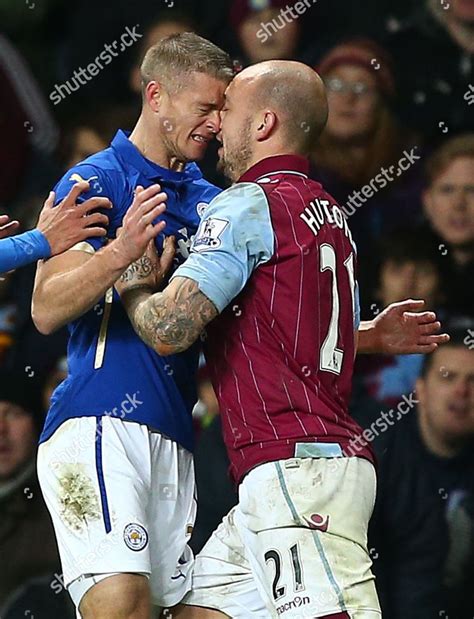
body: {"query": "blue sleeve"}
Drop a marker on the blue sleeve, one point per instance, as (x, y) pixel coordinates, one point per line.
(234, 237)
(356, 308)
(100, 186)
(23, 249)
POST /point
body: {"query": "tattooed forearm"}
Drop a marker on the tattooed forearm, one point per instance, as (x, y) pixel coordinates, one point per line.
(172, 320)
(138, 270)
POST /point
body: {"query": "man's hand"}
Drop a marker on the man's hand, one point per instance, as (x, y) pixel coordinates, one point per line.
(402, 329)
(138, 228)
(7, 227)
(69, 223)
(150, 270)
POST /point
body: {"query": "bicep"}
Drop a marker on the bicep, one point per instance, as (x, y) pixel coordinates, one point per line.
(58, 265)
(185, 293)
(218, 275)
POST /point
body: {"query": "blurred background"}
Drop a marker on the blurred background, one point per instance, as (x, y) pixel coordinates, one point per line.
(398, 156)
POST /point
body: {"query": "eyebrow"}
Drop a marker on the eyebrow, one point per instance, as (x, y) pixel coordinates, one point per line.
(209, 104)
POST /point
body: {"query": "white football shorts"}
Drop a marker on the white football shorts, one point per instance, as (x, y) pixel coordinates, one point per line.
(295, 546)
(122, 500)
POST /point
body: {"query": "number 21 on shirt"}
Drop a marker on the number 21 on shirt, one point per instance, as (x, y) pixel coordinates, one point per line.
(330, 359)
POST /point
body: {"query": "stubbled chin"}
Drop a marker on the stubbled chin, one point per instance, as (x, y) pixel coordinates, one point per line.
(198, 148)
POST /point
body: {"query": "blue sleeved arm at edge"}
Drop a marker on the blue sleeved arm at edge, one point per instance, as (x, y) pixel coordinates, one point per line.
(23, 249)
(356, 308)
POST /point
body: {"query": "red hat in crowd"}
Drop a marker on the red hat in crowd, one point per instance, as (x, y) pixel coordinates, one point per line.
(362, 53)
(241, 9)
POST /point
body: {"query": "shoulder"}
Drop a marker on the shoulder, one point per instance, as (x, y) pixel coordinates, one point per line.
(242, 199)
(239, 217)
(101, 171)
(203, 192)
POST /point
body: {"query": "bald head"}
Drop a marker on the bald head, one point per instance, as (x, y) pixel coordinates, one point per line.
(295, 92)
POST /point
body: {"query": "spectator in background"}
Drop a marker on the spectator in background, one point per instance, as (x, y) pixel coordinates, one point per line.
(422, 529)
(8, 310)
(14, 147)
(82, 142)
(87, 133)
(361, 139)
(27, 543)
(44, 596)
(29, 133)
(445, 430)
(164, 25)
(263, 32)
(435, 66)
(448, 202)
(406, 271)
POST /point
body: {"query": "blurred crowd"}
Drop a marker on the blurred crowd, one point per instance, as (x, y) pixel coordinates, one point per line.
(398, 156)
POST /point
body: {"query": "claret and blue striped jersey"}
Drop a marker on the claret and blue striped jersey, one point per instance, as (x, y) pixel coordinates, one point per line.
(275, 256)
(111, 371)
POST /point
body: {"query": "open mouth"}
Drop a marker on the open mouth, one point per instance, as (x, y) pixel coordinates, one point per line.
(200, 139)
(458, 223)
(459, 410)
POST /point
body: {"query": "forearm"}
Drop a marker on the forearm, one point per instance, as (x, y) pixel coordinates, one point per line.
(368, 340)
(169, 321)
(63, 297)
(18, 251)
(135, 303)
(146, 311)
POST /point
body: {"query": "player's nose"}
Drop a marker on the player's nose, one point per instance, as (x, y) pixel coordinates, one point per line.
(214, 123)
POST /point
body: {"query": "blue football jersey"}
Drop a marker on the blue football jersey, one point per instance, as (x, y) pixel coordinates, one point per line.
(110, 370)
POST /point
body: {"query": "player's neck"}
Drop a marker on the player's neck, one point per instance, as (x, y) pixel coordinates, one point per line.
(148, 144)
(267, 153)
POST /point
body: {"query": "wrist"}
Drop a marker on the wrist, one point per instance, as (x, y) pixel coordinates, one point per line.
(369, 337)
(117, 257)
(44, 241)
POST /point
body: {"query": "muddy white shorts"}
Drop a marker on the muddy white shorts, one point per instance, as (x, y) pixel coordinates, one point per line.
(122, 499)
(295, 546)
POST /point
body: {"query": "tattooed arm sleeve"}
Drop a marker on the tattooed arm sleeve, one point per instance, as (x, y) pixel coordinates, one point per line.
(172, 320)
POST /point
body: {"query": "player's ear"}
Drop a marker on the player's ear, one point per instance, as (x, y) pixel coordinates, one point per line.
(153, 95)
(265, 125)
